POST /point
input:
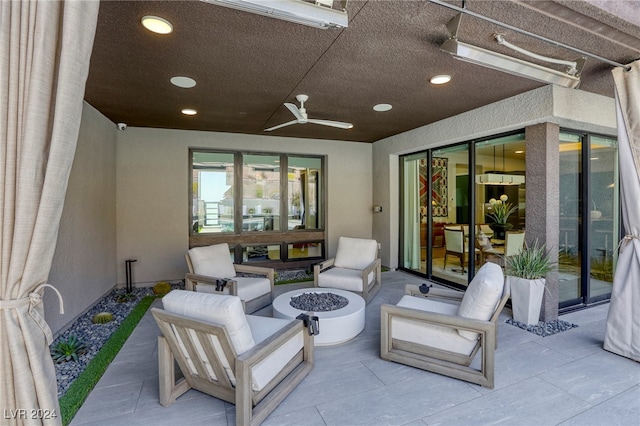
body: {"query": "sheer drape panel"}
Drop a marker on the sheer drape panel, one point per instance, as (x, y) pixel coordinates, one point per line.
(45, 47)
(411, 215)
(623, 322)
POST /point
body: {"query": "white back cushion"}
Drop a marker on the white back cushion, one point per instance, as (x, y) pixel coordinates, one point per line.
(221, 309)
(355, 253)
(212, 261)
(482, 296)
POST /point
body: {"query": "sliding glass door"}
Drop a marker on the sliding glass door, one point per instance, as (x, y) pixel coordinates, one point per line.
(589, 218)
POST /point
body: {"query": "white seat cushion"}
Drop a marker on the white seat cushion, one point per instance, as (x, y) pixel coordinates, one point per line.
(212, 261)
(482, 296)
(432, 335)
(355, 253)
(248, 287)
(262, 328)
(342, 278)
(220, 309)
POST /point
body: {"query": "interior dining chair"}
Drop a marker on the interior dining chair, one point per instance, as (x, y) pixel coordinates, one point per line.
(254, 362)
(513, 244)
(457, 245)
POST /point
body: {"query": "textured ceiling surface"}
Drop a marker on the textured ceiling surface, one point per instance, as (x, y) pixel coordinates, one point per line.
(246, 66)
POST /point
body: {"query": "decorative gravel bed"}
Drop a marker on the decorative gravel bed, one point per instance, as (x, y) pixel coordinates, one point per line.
(319, 302)
(544, 328)
(95, 335)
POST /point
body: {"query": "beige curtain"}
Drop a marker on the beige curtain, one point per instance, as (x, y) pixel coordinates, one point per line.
(623, 322)
(45, 47)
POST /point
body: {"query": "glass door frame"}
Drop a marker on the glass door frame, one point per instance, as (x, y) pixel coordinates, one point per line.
(584, 232)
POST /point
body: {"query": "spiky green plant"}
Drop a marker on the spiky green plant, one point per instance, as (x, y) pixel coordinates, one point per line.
(102, 318)
(531, 263)
(125, 297)
(68, 349)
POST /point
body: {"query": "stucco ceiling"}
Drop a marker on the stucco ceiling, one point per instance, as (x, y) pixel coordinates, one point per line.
(246, 66)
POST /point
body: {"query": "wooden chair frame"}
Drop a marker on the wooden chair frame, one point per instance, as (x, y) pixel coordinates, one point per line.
(193, 280)
(252, 407)
(369, 290)
(436, 360)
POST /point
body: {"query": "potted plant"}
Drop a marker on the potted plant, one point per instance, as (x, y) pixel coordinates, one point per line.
(500, 214)
(525, 274)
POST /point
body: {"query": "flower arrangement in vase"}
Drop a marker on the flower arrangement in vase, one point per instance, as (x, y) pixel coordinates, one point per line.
(500, 214)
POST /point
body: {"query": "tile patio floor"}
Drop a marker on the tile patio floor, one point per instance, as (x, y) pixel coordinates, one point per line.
(565, 379)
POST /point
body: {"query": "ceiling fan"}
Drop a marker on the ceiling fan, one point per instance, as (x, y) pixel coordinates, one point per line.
(301, 117)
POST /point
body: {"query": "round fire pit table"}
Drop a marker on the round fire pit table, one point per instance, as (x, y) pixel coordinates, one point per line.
(336, 326)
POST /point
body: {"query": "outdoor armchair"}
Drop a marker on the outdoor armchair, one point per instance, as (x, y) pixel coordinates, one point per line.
(250, 361)
(443, 330)
(212, 271)
(355, 268)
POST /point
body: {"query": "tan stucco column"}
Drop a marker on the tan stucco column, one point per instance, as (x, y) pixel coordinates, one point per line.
(542, 202)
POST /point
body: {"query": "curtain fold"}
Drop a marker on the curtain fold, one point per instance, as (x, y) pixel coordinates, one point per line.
(45, 48)
(623, 321)
(411, 255)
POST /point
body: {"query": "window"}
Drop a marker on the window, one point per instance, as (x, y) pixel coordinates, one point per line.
(266, 206)
(212, 192)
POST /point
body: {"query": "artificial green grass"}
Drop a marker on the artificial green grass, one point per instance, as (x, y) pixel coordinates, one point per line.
(75, 396)
(294, 281)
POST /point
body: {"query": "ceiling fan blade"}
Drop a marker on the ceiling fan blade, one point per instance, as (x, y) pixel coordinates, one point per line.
(296, 112)
(288, 123)
(338, 124)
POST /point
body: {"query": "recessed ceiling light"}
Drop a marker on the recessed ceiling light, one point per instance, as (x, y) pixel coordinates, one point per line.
(157, 24)
(189, 111)
(184, 82)
(440, 79)
(382, 107)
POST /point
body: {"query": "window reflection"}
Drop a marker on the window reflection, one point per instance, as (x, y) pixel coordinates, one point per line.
(304, 193)
(260, 193)
(212, 192)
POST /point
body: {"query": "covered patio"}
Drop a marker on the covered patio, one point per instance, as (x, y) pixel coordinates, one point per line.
(566, 379)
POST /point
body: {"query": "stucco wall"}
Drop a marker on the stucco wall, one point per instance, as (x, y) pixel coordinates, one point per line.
(84, 263)
(152, 192)
(568, 108)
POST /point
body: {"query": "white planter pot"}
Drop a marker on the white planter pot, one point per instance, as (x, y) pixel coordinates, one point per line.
(526, 299)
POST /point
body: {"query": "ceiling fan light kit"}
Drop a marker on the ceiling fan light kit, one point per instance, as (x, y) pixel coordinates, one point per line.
(302, 118)
(319, 14)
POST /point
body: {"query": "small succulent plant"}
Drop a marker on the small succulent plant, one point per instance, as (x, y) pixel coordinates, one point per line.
(68, 349)
(125, 297)
(102, 318)
(162, 288)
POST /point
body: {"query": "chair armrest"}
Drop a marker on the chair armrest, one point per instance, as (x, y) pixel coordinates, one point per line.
(192, 279)
(440, 293)
(452, 321)
(376, 264)
(258, 270)
(319, 267)
(265, 348)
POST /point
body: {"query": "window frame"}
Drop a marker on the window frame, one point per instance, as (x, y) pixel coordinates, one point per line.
(240, 239)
